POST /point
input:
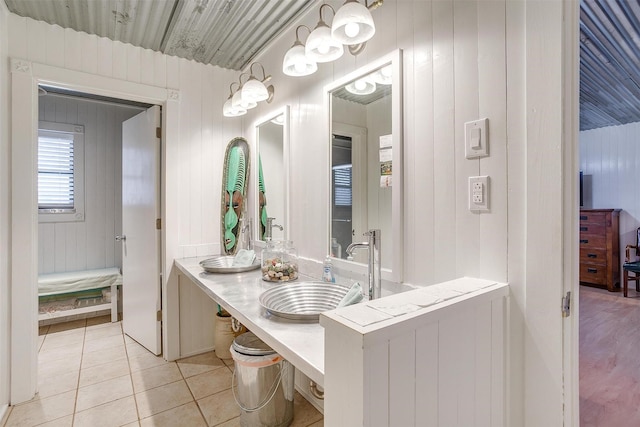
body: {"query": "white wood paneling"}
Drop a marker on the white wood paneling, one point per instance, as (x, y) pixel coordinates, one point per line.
(88, 244)
(429, 368)
(610, 160)
(5, 209)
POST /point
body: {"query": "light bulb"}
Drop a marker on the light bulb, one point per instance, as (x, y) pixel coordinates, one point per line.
(323, 48)
(351, 29)
(300, 67)
(360, 84)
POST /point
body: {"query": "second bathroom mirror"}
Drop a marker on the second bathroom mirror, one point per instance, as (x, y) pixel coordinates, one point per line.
(365, 170)
(272, 177)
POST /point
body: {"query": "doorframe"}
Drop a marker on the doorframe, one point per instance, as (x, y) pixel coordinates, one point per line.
(25, 78)
(570, 165)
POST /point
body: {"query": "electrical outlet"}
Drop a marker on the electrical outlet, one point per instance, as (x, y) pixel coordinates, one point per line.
(478, 193)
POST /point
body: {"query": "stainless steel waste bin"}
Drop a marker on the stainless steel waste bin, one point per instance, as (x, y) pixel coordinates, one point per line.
(263, 383)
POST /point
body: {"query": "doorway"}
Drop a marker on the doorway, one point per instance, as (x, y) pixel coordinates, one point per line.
(24, 264)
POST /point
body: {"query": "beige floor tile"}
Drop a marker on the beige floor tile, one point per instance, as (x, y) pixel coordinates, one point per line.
(40, 341)
(318, 423)
(53, 341)
(135, 349)
(60, 422)
(185, 415)
(106, 371)
(50, 385)
(96, 358)
(59, 366)
(234, 422)
(145, 361)
(67, 326)
(99, 320)
(162, 398)
(112, 414)
(58, 353)
(199, 364)
(209, 383)
(304, 413)
(133, 424)
(42, 330)
(155, 377)
(42, 410)
(104, 331)
(103, 343)
(219, 408)
(103, 392)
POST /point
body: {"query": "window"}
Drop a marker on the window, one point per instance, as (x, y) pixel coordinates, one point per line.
(60, 172)
(342, 185)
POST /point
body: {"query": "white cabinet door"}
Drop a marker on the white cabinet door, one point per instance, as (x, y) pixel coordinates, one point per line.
(141, 238)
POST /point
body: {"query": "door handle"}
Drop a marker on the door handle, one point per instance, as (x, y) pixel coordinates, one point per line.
(121, 238)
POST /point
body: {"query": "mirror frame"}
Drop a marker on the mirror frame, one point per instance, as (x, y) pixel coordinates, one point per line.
(395, 273)
(243, 145)
(285, 110)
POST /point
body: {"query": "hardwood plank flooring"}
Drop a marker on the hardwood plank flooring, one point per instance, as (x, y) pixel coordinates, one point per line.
(609, 358)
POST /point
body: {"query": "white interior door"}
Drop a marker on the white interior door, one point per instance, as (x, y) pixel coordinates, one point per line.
(140, 236)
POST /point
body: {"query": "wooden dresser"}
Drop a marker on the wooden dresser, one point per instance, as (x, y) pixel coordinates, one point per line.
(600, 248)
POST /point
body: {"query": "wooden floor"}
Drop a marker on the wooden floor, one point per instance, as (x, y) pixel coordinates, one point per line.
(609, 358)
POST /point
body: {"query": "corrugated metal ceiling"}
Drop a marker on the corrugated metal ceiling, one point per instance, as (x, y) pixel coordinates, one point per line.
(609, 63)
(227, 33)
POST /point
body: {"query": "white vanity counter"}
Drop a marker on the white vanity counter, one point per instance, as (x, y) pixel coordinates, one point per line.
(302, 344)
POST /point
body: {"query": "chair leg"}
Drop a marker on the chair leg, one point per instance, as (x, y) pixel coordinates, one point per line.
(637, 279)
(625, 283)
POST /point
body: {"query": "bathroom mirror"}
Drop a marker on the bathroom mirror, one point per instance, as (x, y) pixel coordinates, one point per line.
(272, 177)
(365, 168)
(234, 190)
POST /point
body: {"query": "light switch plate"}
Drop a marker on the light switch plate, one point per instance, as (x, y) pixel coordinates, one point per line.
(478, 193)
(476, 139)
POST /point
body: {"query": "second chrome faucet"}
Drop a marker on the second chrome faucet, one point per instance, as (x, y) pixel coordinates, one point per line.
(373, 266)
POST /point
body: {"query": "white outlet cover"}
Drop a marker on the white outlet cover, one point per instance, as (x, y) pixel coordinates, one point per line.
(479, 197)
(476, 139)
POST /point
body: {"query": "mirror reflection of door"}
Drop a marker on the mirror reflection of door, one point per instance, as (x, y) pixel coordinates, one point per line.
(342, 191)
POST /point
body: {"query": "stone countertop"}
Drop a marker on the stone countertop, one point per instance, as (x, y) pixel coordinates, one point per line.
(302, 344)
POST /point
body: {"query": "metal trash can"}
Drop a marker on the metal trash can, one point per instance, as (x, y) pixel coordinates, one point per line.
(265, 383)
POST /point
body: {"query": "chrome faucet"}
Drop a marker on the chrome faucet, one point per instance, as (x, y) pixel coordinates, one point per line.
(373, 266)
(268, 229)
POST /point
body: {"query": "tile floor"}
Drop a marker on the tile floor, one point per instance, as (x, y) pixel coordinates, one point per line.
(91, 374)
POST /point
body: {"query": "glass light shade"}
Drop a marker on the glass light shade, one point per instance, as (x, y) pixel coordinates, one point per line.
(239, 103)
(254, 91)
(361, 87)
(353, 24)
(321, 47)
(383, 76)
(229, 111)
(296, 63)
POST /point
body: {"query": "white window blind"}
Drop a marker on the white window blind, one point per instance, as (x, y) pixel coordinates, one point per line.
(342, 185)
(60, 172)
(55, 171)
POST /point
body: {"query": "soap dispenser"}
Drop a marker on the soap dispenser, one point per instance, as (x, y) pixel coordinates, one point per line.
(327, 271)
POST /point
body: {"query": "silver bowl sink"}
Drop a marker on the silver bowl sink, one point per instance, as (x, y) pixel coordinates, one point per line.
(303, 301)
(224, 264)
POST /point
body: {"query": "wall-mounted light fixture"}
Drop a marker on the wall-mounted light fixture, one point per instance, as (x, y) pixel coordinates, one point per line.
(248, 94)
(295, 61)
(352, 26)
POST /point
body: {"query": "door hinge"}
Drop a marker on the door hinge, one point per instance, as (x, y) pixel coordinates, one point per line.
(158, 132)
(566, 305)
(159, 315)
(159, 224)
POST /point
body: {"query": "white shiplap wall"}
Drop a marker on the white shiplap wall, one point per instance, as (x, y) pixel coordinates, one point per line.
(88, 244)
(610, 157)
(5, 208)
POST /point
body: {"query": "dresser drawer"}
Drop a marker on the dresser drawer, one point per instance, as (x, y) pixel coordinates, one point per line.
(593, 241)
(593, 273)
(593, 218)
(593, 256)
(591, 228)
